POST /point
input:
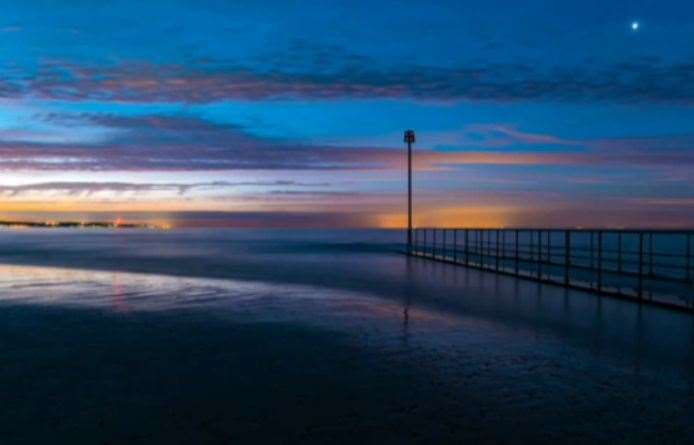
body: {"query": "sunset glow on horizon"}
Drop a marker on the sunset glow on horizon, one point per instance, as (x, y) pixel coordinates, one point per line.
(194, 115)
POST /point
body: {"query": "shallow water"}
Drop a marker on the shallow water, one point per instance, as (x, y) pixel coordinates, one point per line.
(216, 336)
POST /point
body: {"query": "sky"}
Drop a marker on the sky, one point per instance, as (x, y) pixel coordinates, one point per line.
(291, 113)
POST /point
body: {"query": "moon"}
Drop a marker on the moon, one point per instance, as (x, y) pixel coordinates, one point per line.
(635, 26)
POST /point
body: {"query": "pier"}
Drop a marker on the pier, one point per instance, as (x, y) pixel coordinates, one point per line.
(647, 266)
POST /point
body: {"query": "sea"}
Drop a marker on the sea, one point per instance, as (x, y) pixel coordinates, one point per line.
(309, 336)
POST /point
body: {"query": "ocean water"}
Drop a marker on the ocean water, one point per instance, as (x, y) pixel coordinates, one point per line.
(227, 336)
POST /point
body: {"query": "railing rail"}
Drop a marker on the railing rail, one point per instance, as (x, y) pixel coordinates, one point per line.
(645, 265)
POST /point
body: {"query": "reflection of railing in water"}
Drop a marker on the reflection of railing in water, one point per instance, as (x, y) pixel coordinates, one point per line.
(654, 266)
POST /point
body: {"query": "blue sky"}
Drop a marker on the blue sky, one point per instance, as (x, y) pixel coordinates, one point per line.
(527, 113)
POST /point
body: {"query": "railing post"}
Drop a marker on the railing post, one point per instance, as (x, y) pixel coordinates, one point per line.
(439, 243)
(455, 245)
(478, 247)
(425, 249)
(433, 247)
(481, 232)
(516, 251)
(532, 245)
(433, 243)
(489, 243)
(467, 249)
(539, 254)
(496, 239)
(503, 248)
(640, 290)
(567, 257)
(689, 257)
(540, 250)
(549, 246)
(425, 244)
(442, 244)
(592, 242)
(650, 253)
(600, 261)
(619, 252)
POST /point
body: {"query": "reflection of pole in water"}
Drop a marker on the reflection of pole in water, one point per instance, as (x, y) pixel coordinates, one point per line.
(406, 318)
(599, 328)
(119, 303)
(407, 301)
(639, 337)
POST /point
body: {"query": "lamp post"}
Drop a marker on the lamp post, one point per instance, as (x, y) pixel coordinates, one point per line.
(409, 139)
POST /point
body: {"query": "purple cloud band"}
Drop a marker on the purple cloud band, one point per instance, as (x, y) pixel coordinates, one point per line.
(81, 188)
(180, 143)
(638, 81)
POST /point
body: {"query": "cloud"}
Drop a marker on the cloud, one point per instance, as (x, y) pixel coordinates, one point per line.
(184, 143)
(494, 136)
(314, 193)
(10, 90)
(503, 135)
(639, 81)
(88, 189)
(177, 143)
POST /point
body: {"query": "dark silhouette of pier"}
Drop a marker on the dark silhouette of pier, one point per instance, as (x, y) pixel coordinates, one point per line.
(650, 266)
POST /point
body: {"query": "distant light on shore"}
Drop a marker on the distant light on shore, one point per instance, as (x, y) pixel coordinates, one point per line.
(81, 225)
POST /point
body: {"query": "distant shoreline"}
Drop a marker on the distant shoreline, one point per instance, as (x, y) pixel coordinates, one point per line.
(75, 225)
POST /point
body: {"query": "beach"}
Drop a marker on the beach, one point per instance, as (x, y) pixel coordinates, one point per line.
(221, 336)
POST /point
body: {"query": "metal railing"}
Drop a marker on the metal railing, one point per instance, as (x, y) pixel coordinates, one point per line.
(654, 266)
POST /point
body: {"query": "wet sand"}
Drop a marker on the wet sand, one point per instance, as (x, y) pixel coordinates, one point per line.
(324, 343)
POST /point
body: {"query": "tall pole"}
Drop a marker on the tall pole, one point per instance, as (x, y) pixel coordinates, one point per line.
(409, 139)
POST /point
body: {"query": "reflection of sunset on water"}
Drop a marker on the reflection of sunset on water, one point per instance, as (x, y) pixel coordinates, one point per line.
(124, 292)
(119, 298)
